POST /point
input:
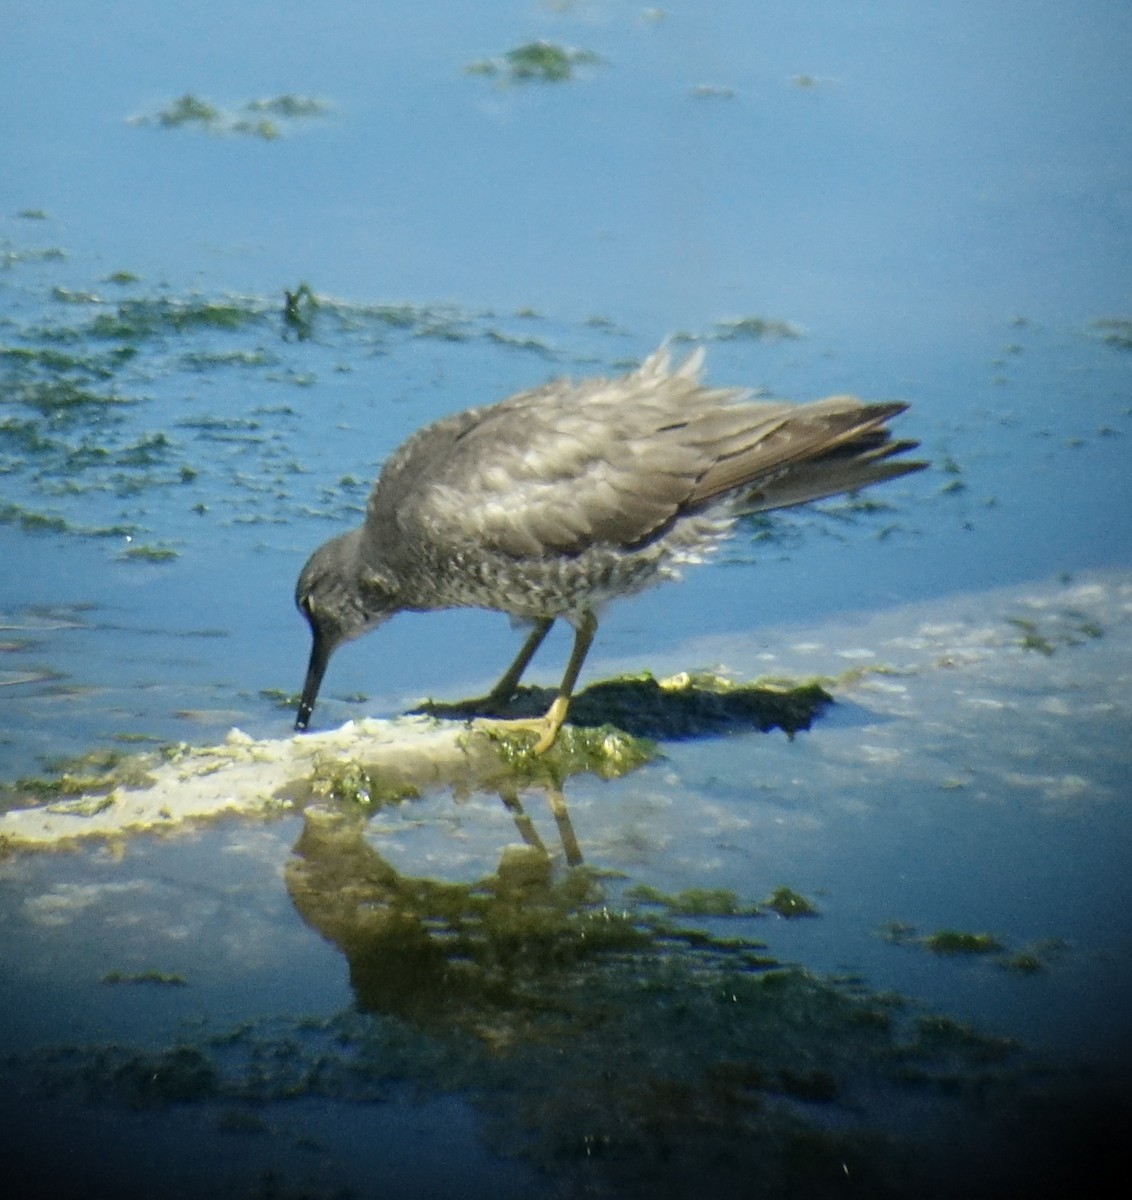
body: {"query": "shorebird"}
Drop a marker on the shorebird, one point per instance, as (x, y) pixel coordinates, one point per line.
(558, 499)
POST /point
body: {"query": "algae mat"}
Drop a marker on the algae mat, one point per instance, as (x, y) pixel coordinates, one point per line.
(1052, 661)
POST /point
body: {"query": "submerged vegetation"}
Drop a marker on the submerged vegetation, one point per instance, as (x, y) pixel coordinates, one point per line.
(694, 902)
(603, 750)
(1047, 631)
(88, 777)
(756, 329)
(644, 707)
(1114, 331)
(606, 1049)
(116, 392)
(789, 903)
(956, 941)
(107, 399)
(145, 552)
(266, 118)
(355, 784)
(542, 62)
(159, 978)
(959, 943)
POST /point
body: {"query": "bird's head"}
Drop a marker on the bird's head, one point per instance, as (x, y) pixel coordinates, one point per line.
(341, 600)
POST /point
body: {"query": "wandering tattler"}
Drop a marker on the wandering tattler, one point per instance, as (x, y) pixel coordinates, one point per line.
(558, 499)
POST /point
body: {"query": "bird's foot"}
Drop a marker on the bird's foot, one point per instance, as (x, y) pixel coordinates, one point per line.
(546, 726)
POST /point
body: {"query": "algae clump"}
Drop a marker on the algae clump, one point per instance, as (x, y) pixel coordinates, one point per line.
(789, 903)
(955, 941)
(356, 784)
(540, 61)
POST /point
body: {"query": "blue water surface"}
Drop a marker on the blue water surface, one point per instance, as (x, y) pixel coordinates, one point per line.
(925, 203)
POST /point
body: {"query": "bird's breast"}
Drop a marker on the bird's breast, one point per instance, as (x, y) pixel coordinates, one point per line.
(554, 584)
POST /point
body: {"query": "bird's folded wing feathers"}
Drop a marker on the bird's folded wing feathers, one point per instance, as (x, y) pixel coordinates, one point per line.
(554, 470)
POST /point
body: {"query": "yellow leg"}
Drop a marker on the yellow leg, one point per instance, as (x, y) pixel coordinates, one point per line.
(505, 688)
(556, 713)
(549, 724)
(565, 829)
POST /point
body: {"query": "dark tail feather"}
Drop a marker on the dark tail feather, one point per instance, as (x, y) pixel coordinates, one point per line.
(846, 468)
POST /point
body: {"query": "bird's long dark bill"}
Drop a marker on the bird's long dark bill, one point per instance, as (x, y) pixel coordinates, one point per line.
(320, 656)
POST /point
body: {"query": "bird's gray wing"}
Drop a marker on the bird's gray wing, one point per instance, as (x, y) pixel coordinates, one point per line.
(553, 470)
(616, 462)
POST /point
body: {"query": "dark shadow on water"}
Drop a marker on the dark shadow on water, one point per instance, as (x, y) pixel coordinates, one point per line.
(689, 706)
(625, 1051)
(847, 714)
(616, 1047)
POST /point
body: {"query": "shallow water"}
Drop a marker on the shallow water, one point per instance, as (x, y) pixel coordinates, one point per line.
(923, 205)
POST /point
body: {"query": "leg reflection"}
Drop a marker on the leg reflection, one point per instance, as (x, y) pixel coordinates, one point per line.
(509, 794)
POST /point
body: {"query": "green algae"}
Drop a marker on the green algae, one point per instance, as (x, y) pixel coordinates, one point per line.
(1113, 331)
(540, 61)
(444, 331)
(160, 978)
(83, 806)
(182, 1074)
(65, 401)
(76, 383)
(1080, 623)
(204, 360)
(290, 106)
(942, 1035)
(759, 329)
(355, 784)
(712, 91)
(599, 750)
(789, 903)
(261, 128)
(29, 360)
(956, 941)
(141, 318)
(148, 553)
(1030, 638)
(899, 933)
(1068, 627)
(89, 777)
(625, 1073)
(67, 296)
(488, 944)
(1021, 962)
(188, 110)
(265, 118)
(1029, 960)
(31, 521)
(538, 346)
(608, 1054)
(10, 257)
(694, 902)
(69, 397)
(691, 704)
(749, 953)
